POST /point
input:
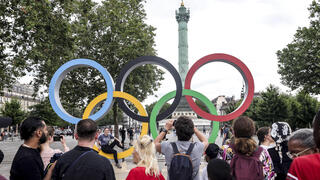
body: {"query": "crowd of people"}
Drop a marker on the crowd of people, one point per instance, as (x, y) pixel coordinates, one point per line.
(279, 153)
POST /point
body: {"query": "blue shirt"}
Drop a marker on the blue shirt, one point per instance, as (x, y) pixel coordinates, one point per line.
(105, 139)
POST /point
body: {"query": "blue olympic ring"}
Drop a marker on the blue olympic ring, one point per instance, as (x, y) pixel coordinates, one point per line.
(60, 74)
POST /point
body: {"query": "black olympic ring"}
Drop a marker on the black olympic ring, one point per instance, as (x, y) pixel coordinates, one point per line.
(129, 67)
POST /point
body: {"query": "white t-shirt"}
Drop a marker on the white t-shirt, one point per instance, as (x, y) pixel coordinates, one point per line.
(204, 175)
(264, 147)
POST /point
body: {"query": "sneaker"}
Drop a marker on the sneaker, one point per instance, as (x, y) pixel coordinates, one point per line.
(118, 165)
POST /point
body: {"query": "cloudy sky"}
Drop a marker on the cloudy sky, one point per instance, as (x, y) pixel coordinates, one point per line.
(251, 30)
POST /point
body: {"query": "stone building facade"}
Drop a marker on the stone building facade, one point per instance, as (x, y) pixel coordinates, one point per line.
(21, 92)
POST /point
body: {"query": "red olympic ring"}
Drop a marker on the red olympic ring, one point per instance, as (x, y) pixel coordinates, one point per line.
(241, 67)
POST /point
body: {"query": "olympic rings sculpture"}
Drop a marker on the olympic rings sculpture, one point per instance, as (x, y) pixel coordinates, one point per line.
(167, 97)
(128, 97)
(120, 96)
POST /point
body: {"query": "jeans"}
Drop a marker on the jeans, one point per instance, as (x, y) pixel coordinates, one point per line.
(109, 149)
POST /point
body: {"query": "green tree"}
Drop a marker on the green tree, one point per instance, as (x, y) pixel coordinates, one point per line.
(44, 111)
(108, 119)
(294, 116)
(149, 107)
(10, 33)
(273, 106)
(233, 106)
(115, 34)
(250, 112)
(13, 110)
(308, 109)
(202, 106)
(303, 108)
(253, 109)
(299, 62)
(111, 32)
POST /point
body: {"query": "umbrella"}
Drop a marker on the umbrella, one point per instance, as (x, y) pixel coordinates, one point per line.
(5, 122)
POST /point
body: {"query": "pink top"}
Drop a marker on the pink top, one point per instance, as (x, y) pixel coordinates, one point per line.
(46, 155)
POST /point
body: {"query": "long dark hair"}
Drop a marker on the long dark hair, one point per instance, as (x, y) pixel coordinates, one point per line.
(244, 129)
(262, 133)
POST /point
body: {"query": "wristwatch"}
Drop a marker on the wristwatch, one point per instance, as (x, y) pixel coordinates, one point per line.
(166, 131)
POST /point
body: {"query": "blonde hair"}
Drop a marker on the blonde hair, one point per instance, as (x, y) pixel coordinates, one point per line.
(147, 152)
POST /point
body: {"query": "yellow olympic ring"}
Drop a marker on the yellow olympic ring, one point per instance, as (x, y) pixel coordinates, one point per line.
(128, 97)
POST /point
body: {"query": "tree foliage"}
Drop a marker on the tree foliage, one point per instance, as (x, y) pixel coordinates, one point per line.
(111, 32)
(150, 107)
(201, 105)
(273, 106)
(299, 62)
(303, 109)
(11, 33)
(44, 111)
(108, 119)
(13, 110)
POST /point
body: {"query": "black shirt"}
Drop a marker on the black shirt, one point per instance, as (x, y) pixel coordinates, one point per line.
(123, 133)
(281, 166)
(89, 166)
(130, 131)
(27, 164)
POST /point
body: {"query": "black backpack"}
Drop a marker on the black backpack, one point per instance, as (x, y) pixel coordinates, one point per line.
(181, 167)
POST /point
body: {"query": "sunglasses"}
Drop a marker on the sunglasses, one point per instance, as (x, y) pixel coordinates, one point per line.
(294, 155)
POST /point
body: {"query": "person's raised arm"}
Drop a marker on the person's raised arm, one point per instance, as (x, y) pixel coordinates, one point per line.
(201, 138)
(158, 140)
(63, 142)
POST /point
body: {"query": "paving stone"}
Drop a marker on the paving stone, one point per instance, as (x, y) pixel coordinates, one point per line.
(10, 148)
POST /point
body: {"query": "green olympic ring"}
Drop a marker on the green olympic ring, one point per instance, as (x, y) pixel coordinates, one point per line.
(187, 92)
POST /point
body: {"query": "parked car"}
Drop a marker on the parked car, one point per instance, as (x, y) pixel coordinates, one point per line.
(58, 132)
(68, 132)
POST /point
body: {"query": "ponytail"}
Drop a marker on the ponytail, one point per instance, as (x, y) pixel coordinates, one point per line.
(245, 146)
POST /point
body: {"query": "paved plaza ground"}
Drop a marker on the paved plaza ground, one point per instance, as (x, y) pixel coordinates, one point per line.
(10, 148)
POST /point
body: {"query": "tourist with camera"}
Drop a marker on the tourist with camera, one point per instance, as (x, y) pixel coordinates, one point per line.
(183, 156)
(46, 151)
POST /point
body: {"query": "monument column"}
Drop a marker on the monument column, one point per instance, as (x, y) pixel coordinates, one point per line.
(182, 16)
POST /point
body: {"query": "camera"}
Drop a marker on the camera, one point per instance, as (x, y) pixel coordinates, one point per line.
(57, 138)
(55, 157)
